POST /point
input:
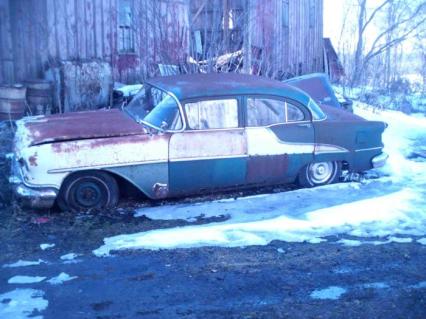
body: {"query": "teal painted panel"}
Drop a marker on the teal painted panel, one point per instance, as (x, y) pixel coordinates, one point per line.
(194, 176)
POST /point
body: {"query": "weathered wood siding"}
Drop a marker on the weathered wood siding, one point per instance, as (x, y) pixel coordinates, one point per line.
(290, 34)
(47, 31)
(6, 53)
(36, 34)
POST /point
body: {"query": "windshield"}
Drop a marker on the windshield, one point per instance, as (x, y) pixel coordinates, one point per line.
(155, 108)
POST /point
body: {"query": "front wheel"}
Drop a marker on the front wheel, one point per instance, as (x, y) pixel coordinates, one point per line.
(321, 173)
(88, 190)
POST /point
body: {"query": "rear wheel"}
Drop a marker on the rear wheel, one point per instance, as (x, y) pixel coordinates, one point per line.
(88, 190)
(321, 173)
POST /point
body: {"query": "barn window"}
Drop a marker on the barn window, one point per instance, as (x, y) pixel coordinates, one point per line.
(312, 8)
(285, 11)
(126, 40)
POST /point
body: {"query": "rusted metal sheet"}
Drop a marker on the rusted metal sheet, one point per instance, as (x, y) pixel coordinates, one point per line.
(263, 169)
(82, 125)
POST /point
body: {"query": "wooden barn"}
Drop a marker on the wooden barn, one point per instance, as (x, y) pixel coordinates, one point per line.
(78, 43)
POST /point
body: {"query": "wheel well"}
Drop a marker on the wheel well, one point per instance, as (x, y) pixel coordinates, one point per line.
(345, 166)
(126, 188)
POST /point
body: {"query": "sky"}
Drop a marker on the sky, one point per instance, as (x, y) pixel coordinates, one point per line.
(333, 15)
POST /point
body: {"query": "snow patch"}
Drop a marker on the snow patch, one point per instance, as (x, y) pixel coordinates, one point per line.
(350, 242)
(21, 303)
(25, 279)
(24, 263)
(375, 285)
(46, 246)
(422, 241)
(70, 256)
(60, 279)
(330, 293)
(420, 285)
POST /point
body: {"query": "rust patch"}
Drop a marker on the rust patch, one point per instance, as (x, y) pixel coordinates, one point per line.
(82, 125)
(160, 190)
(261, 169)
(33, 159)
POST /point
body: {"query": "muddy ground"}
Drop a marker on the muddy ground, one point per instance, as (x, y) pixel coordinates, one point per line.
(273, 281)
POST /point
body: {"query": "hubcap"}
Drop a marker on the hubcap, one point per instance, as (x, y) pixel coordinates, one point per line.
(88, 194)
(322, 172)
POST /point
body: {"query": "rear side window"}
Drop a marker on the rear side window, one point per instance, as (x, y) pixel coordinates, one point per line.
(294, 114)
(212, 114)
(266, 111)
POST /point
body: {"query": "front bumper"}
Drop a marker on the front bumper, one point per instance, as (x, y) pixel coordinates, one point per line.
(379, 160)
(30, 195)
(35, 197)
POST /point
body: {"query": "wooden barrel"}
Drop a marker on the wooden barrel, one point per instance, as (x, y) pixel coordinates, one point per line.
(39, 96)
(12, 102)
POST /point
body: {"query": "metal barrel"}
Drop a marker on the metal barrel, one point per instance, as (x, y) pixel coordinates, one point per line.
(12, 102)
(39, 96)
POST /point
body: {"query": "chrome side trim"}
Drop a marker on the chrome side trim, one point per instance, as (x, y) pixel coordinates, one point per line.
(207, 158)
(70, 169)
(369, 149)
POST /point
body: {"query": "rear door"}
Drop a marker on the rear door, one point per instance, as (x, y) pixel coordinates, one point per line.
(280, 139)
(211, 152)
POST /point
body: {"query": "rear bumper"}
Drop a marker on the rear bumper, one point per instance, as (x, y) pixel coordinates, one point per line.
(30, 195)
(379, 160)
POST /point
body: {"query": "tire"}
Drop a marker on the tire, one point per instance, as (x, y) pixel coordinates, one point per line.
(88, 190)
(321, 173)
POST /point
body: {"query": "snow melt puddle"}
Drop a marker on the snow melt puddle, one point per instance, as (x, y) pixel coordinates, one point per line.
(61, 278)
(393, 205)
(330, 293)
(21, 303)
(25, 279)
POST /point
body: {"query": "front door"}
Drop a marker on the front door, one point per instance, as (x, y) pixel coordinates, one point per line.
(211, 153)
(280, 140)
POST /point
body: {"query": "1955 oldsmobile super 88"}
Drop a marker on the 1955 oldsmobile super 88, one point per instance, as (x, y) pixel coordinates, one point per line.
(188, 134)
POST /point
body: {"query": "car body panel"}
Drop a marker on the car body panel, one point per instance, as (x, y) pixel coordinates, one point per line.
(164, 164)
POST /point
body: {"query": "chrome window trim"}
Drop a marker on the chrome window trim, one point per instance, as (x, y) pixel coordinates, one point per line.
(179, 107)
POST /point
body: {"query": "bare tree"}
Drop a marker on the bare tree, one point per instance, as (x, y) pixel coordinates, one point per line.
(404, 20)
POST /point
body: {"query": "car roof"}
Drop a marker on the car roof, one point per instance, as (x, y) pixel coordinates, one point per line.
(189, 86)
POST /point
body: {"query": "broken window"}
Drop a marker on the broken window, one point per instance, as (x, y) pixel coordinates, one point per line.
(212, 114)
(126, 41)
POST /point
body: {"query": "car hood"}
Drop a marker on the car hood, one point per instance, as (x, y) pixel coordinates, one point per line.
(75, 126)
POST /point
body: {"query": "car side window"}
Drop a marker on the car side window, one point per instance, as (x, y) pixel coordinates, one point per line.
(294, 114)
(212, 114)
(264, 111)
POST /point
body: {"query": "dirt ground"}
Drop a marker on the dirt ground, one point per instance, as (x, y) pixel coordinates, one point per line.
(273, 281)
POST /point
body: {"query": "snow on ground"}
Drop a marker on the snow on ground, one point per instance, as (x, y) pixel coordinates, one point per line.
(25, 279)
(330, 293)
(24, 263)
(21, 303)
(46, 246)
(393, 207)
(61, 278)
(70, 256)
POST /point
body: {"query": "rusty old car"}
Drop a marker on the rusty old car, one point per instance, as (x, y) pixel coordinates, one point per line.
(189, 134)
